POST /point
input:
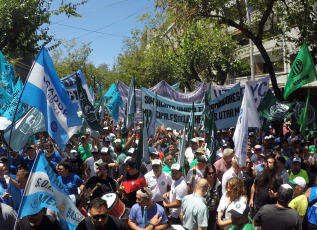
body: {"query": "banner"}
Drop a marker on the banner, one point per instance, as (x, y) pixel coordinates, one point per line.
(70, 85)
(113, 106)
(111, 92)
(274, 110)
(163, 89)
(176, 115)
(31, 123)
(258, 89)
(44, 190)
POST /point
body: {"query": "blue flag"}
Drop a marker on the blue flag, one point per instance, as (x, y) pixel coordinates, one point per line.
(176, 86)
(111, 91)
(44, 190)
(113, 106)
(44, 91)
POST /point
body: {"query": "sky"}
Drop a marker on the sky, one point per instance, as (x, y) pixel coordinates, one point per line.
(104, 23)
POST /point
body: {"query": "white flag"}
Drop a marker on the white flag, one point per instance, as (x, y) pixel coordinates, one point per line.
(248, 117)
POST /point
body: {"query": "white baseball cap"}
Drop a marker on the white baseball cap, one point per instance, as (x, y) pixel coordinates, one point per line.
(299, 181)
(176, 167)
(156, 162)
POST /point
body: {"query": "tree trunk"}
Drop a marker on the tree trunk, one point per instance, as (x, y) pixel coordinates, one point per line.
(270, 68)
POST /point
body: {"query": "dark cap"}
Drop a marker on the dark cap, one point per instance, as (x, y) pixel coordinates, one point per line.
(102, 166)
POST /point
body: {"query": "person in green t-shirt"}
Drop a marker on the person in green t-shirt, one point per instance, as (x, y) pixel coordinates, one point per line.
(169, 159)
(240, 218)
(84, 149)
(297, 171)
(313, 148)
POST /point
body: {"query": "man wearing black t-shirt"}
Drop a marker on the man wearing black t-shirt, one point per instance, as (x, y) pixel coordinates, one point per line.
(100, 184)
(99, 218)
(38, 221)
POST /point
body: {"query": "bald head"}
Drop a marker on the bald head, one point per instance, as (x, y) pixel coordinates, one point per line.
(202, 186)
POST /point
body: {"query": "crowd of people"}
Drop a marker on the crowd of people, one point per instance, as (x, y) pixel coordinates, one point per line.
(276, 189)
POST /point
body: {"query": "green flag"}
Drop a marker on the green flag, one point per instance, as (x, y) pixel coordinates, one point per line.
(87, 108)
(131, 106)
(303, 71)
(302, 120)
(191, 123)
(212, 140)
(273, 109)
(139, 151)
(206, 117)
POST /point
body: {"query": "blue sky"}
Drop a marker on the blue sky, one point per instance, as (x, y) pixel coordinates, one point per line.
(112, 20)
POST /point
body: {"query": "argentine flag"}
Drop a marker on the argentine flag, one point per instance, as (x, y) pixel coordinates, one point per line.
(44, 190)
(45, 91)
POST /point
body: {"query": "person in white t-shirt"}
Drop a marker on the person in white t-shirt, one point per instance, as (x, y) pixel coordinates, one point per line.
(234, 171)
(189, 152)
(158, 181)
(90, 163)
(173, 198)
(196, 173)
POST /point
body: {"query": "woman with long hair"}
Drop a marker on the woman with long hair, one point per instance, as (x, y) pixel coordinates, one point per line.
(235, 192)
(212, 195)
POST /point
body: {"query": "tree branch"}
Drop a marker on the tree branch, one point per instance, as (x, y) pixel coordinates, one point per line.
(264, 18)
(239, 11)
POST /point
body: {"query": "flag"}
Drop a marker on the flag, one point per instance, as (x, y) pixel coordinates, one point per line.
(31, 123)
(273, 109)
(191, 123)
(302, 121)
(111, 91)
(152, 125)
(211, 129)
(139, 151)
(176, 86)
(87, 108)
(248, 117)
(182, 148)
(206, 116)
(5, 98)
(303, 71)
(113, 106)
(146, 155)
(44, 190)
(44, 91)
(7, 75)
(131, 106)
(144, 220)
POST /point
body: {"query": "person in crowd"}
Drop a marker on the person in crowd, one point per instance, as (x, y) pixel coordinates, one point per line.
(225, 163)
(280, 162)
(212, 195)
(199, 152)
(8, 217)
(313, 172)
(158, 181)
(285, 150)
(189, 152)
(70, 181)
(99, 218)
(173, 198)
(297, 171)
(248, 176)
(196, 173)
(169, 159)
(106, 157)
(106, 143)
(266, 184)
(279, 216)
(76, 162)
(252, 139)
(30, 157)
(154, 155)
(311, 195)
(99, 185)
(56, 157)
(194, 209)
(235, 192)
(299, 201)
(119, 152)
(84, 149)
(234, 171)
(15, 160)
(256, 158)
(313, 147)
(156, 216)
(48, 157)
(38, 221)
(89, 164)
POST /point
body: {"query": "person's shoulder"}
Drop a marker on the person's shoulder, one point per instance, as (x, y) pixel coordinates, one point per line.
(119, 223)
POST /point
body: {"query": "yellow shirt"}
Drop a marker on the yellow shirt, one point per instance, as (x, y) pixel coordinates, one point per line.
(300, 204)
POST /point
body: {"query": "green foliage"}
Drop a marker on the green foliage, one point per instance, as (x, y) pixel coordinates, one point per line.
(24, 23)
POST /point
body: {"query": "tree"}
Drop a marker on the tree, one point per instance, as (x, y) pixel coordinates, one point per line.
(233, 13)
(24, 23)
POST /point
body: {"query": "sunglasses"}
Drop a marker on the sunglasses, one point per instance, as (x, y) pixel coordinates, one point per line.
(98, 217)
(144, 191)
(211, 173)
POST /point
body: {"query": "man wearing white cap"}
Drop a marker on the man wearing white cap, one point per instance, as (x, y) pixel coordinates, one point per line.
(106, 157)
(300, 202)
(297, 171)
(173, 198)
(239, 217)
(158, 181)
(189, 153)
(89, 164)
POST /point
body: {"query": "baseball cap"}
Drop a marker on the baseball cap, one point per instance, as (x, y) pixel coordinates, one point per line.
(156, 162)
(153, 151)
(257, 147)
(117, 141)
(131, 150)
(176, 167)
(239, 209)
(69, 143)
(106, 139)
(126, 159)
(73, 152)
(299, 181)
(201, 150)
(271, 137)
(267, 138)
(104, 151)
(168, 129)
(102, 165)
(202, 159)
(285, 193)
(201, 139)
(106, 128)
(297, 159)
(130, 162)
(194, 140)
(94, 150)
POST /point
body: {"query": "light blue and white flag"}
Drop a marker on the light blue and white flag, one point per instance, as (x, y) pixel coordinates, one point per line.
(44, 91)
(70, 85)
(146, 155)
(248, 117)
(113, 106)
(176, 86)
(4, 96)
(111, 91)
(44, 190)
